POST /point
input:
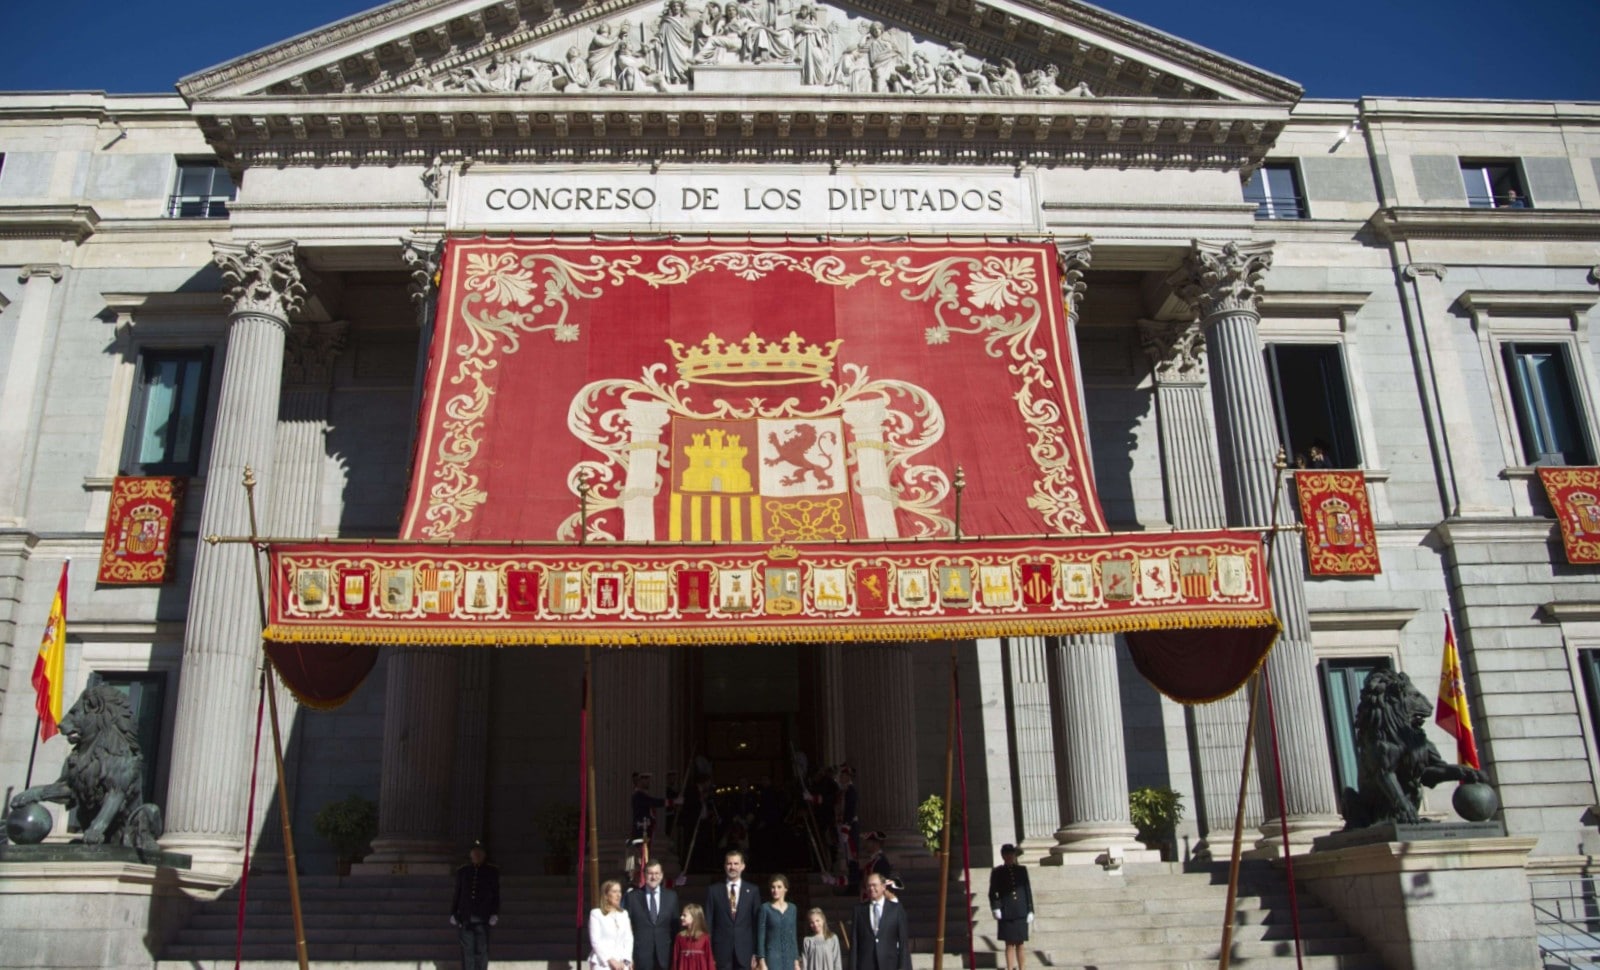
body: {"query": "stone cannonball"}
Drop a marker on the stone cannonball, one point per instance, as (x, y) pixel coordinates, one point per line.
(1475, 802)
(29, 824)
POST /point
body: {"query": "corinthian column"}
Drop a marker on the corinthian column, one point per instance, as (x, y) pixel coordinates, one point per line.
(1194, 496)
(1091, 758)
(1223, 283)
(419, 752)
(222, 640)
(880, 708)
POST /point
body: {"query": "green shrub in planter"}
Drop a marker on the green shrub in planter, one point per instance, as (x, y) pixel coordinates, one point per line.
(1156, 812)
(930, 822)
(350, 824)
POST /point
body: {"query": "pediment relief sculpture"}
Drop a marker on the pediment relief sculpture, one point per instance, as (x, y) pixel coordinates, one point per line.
(813, 46)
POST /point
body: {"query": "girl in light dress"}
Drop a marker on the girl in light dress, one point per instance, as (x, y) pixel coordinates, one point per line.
(691, 948)
(820, 950)
(610, 933)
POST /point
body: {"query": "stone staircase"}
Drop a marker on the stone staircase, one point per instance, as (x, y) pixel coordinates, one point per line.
(1152, 916)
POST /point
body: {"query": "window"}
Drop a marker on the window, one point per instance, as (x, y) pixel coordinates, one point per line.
(1548, 418)
(1313, 405)
(1275, 189)
(146, 693)
(1494, 185)
(169, 410)
(1341, 692)
(204, 191)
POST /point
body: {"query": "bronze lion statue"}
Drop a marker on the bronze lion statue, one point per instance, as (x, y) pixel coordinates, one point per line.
(1394, 757)
(104, 775)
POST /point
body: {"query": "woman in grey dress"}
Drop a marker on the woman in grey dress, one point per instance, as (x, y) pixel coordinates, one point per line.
(820, 949)
(777, 933)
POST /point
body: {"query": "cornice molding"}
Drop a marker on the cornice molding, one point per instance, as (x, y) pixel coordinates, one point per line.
(1334, 619)
(1326, 303)
(1537, 303)
(1469, 530)
(69, 223)
(1422, 222)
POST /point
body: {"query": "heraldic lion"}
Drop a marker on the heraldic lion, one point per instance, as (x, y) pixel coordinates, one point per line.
(1393, 754)
(104, 775)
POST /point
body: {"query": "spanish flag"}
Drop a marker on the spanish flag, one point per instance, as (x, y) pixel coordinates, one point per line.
(49, 669)
(1451, 711)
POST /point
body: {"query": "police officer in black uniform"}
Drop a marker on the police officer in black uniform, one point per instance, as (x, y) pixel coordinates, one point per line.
(476, 907)
(1011, 898)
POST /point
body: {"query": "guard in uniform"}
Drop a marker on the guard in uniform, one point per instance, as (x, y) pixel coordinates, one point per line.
(476, 907)
(1011, 898)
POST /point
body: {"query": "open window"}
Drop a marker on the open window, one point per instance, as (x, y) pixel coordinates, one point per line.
(1544, 400)
(1311, 397)
(168, 413)
(1494, 184)
(1275, 189)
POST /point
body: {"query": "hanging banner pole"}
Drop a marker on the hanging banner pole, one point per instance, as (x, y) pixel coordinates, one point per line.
(943, 906)
(593, 809)
(583, 805)
(966, 813)
(269, 689)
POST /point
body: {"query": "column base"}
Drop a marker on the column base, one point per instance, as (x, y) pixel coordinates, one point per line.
(407, 857)
(1302, 830)
(1035, 850)
(1101, 843)
(221, 858)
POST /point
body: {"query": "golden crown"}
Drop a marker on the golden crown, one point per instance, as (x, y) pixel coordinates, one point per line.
(754, 361)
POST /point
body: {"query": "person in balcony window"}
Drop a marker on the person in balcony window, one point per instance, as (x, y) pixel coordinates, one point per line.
(1514, 200)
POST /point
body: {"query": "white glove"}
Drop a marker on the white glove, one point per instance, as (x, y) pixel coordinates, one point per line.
(1030, 917)
(453, 921)
(495, 919)
(997, 914)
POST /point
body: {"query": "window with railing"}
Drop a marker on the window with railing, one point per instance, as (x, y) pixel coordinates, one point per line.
(1275, 189)
(1494, 185)
(1311, 400)
(1543, 396)
(203, 191)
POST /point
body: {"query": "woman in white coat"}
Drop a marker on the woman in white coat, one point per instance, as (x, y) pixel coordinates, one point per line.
(610, 933)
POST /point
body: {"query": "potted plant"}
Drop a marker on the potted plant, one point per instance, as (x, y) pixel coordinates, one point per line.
(930, 822)
(558, 824)
(1156, 812)
(350, 824)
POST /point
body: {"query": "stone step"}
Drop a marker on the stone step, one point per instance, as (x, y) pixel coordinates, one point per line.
(286, 961)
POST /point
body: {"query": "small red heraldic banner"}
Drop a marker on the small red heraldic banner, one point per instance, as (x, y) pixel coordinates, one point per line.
(1575, 495)
(1339, 537)
(141, 531)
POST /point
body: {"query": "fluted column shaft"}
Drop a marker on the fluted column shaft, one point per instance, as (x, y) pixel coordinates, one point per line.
(1223, 284)
(211, 746)
(880, 715)
(30, 360)
(1033, 740)
(829, 703)
(419, 751)
(1194, 499)
(1092, 760)
(634, 711)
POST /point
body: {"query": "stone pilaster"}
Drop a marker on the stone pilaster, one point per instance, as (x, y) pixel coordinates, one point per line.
(634, 713)
(29, 361)
(1223, 283)
(880, 717)
(211, 753)
(1091, 758)
(470, 806)
(1033, 747)
(1194, 499)
(415, 796)
(829, 703)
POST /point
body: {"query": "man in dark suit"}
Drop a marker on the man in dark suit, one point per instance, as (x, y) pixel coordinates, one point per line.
(882, 931)
(731, 914)
(653, 911)
(475, 907)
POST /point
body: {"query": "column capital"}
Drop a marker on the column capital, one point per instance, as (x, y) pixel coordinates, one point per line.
(1176, 350)
(1223, 279)
(309, 351)
(1414, 270)
(52, 270)
(423, 257)
(1075, 257)
(263, 278)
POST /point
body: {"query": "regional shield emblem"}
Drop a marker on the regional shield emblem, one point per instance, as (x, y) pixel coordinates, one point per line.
(783, 591)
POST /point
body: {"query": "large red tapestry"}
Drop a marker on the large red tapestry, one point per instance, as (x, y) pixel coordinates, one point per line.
(749, 392)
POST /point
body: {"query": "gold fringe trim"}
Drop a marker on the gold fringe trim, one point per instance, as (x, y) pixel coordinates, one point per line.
(588, 634)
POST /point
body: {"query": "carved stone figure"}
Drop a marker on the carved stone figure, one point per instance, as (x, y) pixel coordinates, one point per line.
(603, 50)
(675, 37)
(104, 775)
(1395, 759)
(814, 49)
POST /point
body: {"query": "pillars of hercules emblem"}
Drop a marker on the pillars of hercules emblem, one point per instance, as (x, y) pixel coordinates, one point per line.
(1092, 776)
(1222, 283)
(1194, 496)
(211, 751)
(646, 419)
(866, 419)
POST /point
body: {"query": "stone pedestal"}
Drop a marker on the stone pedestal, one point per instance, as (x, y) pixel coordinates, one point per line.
(113, 913)
(1441, 904)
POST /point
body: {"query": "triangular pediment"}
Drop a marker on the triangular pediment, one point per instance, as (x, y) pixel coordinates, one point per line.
(553, 49)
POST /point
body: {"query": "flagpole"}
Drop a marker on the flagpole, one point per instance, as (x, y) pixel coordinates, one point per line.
(38, 726)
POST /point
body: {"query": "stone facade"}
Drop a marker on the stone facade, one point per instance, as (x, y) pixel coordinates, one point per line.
(1417, 292)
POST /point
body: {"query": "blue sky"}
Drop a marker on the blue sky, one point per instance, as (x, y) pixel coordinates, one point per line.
(1535, 49)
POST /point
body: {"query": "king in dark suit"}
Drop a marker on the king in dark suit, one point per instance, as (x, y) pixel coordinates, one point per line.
(653, 911)
(731, 914)
(882, 931)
